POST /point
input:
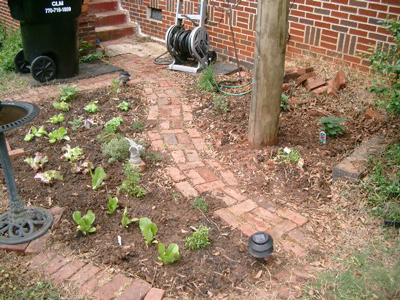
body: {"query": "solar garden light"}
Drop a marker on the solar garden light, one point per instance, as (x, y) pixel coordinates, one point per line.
(261, 245)
(20, 224)
(124, 77)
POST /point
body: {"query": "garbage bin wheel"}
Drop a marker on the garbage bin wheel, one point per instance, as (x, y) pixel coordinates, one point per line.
(21, 64)
(43, 69)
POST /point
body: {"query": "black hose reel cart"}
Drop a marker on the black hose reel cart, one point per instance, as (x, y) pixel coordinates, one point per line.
(49, 31)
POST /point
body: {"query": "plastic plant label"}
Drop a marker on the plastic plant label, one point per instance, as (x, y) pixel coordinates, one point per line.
(300, 163)
(287, 150)
(322, 137)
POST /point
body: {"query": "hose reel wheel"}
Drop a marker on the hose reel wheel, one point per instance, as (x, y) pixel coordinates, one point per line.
(169, 39)
(199, 45)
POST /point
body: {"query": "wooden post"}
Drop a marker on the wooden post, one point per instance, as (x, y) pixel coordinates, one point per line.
(269, 61)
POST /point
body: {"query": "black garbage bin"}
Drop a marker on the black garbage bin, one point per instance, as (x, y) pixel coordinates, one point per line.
(49, 32)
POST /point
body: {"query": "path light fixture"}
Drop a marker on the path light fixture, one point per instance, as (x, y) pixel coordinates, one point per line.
(261, 245)
(124, 77)
(20, 224)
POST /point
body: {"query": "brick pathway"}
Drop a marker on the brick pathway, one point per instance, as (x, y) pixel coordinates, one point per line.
(192, 174)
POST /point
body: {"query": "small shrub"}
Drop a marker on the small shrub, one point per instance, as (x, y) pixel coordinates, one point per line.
(137, 126)
(198, 239)
(201, 204)
(206, 81)
(105, 137)
(117, 149)
(220, 106)
(333, 125)
(131, 184)
(113, 125)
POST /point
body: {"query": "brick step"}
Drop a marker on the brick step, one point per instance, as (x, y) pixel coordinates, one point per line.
(107, 33)
(99, 6)
(110, 18)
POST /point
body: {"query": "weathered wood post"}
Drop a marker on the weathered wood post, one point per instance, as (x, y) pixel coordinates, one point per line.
(269, 60)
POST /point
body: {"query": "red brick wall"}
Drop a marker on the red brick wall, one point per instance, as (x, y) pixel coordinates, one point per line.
(5, 17)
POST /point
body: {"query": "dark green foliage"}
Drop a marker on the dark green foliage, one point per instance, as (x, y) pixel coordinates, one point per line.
(333, 125)
(11, 44)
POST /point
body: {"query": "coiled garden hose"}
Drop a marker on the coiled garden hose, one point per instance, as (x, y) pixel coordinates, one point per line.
(222, 85)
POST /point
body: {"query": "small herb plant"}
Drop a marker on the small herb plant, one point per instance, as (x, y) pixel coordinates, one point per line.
(63, 106)
(206, 81)
(34, 133)
(117, 149)
(288, 155)
(37, 163)
(115, 87)
(113, 125)
(97, 177)
(76, 124)
(220, 106)
(112, 204)
(92, 107)
(68, 93)
(284, 102)
(137, 126)
(149, 229)
(198, 239)
(57, 119)
(125, 221)
(332, 125)
(72, 154)
(170, 255)
(48, 177)
(131, 184)
(124, 106)
(200, 203)
(58, 135)
(84, 223)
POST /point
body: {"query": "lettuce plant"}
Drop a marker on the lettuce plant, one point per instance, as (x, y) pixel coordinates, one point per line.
(63, 106)
(92, 107)
(72, 154)
(48, 177)
(58, 135)
(85, 222)
(149, 229)
(125, 219)
(113, 125)
(68, 93)
(34, 133)
(57, 119)
(81, 167)
(170, 255)
(97, 177)
(124, 106)
(37, 162)
(112, 204)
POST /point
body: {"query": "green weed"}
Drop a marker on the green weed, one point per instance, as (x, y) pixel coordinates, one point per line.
(11, 45)
(201, 204)
(206, 81)
(131, 184)
(333, 125)
(220, 106)
(198, 239)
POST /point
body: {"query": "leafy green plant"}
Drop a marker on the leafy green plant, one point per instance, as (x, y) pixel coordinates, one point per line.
(48, 177)
(97, 177)
(113, 125)
(206, 81)
(125, 221)
(91, 57)
(288, 155)
(284, 101)
(198, 239)
(220, 106)
(84, 223)
(11, 45)
(63, 106)
(137, 126)
(72, 154)
(87, 52)
(58, 135)
(68, 93)
(385, 64)
(170, 255)
(112, 204)
(36, 163)
(124, 106)
(34, 133)
(76, 123)
(131, 184)
(148, 228)
(200, 203)
(117, 149)
(92, 107)
(115, 87)
(333, 125)
(57, 119)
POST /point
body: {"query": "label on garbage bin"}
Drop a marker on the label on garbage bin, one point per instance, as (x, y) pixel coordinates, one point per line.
(57, 7)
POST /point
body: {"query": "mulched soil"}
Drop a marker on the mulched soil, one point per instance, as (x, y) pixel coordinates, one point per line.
(219, 268)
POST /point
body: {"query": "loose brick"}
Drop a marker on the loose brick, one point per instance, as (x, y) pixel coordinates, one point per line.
(83, 275)
(20, 248)
(227, 216)
(14, 154)
(136, 291)
(340, 80)
(155, 294)
(292, 216)
(243, 207)
(175, 174)
(302, 71)
(57, 213)
(178, 156)
(67, 271)
(234, 194)
(293, 247)
(37, 245)
(109, 290)
(207, 174)
(372, 114)
(315, 83)
(209, 186)
(186, 189)
(299, 237)
(320, 90)
(55, 264)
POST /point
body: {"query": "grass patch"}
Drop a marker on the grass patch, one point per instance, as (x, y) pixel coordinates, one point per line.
(10, 82)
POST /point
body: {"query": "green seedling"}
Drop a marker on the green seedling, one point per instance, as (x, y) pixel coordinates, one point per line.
(288, 155)
(37, 163)
(198, 239)
(76, 124)
(81, 167)
(34, 133)
(57, 119)
(125, 221)
(85, 222)
(115, 87)
(63, 106)
(68, 93)
(200, 203)
(113, 125)
(220, 106)
(98, 177)
(124, 106)
(284, 101)
(72, 154)
(333, 125)
(206, 82)
(48, 177)
(137, 126)
(58, 135)
(170, 255)
(149, 229)
(92, 107)
(131, 184)
(112, 204)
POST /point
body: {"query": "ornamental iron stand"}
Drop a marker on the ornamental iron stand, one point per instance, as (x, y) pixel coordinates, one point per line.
(20, 224)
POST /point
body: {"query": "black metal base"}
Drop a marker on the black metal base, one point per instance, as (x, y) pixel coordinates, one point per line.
(30, 224)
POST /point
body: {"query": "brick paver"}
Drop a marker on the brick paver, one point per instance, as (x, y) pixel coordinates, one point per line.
(67, 271)
(136, 291)
(110, 289)
(154, 294)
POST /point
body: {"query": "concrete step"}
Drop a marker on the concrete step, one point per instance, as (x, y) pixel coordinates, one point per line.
(108, 33)
(110, 18)
(99, 6)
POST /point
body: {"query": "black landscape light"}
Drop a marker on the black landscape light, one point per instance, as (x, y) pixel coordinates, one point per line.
(20, 224)
(261, 245)
(124, 77)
